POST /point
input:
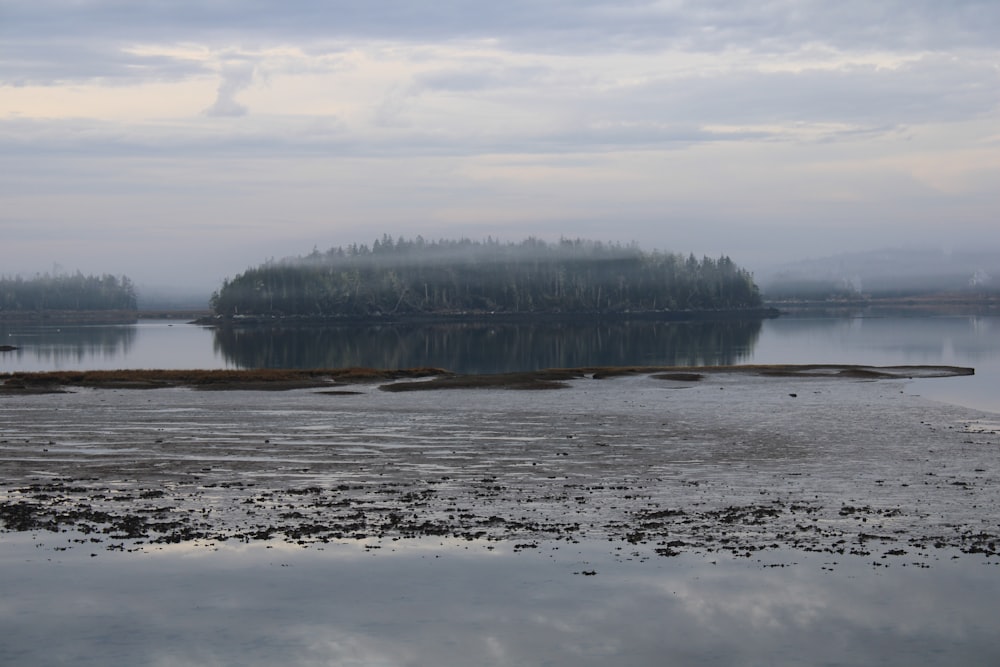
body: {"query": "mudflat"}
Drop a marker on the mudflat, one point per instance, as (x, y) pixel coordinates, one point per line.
(838, 459)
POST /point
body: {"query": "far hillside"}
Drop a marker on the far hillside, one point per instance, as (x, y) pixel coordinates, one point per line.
(418, 277)
(887, 274)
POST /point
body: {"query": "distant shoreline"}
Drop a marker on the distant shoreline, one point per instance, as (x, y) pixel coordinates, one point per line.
(69, 317)
(490, 317)
(945, 304)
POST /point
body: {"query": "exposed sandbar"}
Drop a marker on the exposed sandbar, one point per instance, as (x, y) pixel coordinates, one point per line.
(739, 459)
(427, 378)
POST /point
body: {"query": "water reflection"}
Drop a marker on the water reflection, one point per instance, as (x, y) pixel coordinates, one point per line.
(146, 344)
(890, 340)
(491, 348)
(910, 340)
(479, 348)
(479, 605)
(57, 346)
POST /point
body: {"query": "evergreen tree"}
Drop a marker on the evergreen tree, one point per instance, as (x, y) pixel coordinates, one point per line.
(448, 277)
(67, 292)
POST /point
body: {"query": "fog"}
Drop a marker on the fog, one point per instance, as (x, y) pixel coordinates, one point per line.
(180, 144)
(887, 272)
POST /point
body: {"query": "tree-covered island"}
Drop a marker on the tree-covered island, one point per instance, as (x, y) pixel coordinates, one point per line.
(66, 296)
(405, 278)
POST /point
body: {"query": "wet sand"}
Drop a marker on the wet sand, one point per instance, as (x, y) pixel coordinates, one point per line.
(744, 460)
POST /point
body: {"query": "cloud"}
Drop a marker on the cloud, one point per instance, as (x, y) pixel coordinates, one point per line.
(538, 25)
(473, 78)
(235, 78)
(734, 121)
(927, 89)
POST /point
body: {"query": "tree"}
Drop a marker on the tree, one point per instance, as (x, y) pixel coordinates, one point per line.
(401, 276)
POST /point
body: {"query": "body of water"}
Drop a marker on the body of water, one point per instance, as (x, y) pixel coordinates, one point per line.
(972, 341)
(472, 607)
(859, 540)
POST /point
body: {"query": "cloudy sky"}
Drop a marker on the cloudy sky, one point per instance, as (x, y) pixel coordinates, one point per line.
(182, 141)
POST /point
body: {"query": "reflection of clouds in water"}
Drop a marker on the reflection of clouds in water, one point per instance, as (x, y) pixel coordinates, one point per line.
(856, 609)
(326, 647)
(730, 601)
(497, 650)
(255, 606)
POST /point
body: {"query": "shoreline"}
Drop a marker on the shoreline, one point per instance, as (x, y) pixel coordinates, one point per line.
(954, 304)
(28, 382)
(738, 460)
(486, 318)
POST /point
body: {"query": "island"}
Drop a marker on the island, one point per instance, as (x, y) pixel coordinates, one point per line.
(61, 297)
(417, 278)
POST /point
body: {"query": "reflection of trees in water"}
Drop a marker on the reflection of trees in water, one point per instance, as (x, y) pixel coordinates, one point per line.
(70, 343)
(926, 338)
(490, 348)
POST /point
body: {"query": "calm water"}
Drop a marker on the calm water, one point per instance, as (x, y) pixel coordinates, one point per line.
(399, 607)
(483, 348)
(421, 602)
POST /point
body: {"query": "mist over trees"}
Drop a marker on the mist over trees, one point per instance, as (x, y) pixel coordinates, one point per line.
(67, 292)
(408, 277)
(886, 274)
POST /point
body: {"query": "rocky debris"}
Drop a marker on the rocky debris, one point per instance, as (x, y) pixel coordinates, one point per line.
(631, 461)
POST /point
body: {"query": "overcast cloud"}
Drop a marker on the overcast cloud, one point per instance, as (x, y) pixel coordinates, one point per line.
(180, 142)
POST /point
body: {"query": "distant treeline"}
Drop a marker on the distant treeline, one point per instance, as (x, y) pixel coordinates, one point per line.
(67, 292)
(406, 277)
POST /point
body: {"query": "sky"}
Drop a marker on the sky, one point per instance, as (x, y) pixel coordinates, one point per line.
(180, 142)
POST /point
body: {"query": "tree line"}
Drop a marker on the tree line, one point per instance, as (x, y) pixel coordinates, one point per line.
(67, 292)
(416, 276)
